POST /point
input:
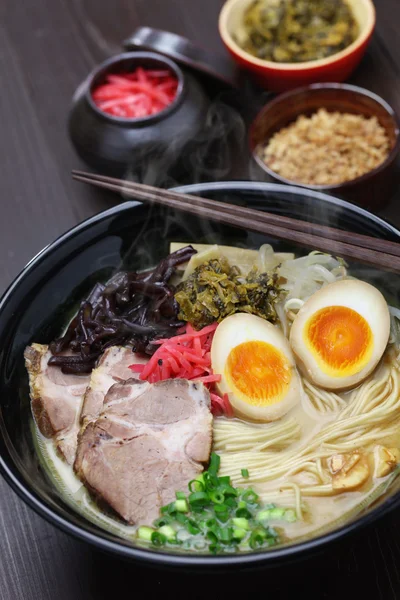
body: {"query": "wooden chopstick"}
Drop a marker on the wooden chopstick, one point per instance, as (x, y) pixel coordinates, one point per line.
(372, 251)
(354, 239)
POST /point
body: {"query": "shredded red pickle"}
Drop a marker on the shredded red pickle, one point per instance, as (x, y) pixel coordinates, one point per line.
(138, 94)
(187, 356)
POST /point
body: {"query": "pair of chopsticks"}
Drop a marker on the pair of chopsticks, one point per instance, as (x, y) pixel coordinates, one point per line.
(369, 250)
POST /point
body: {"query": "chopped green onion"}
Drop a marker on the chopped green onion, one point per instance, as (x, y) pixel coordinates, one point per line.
(223, 517)
(245, 473)
(181, 518)
(214, 464)
(181, 506)
(277, 513)
(198, 511)
(145, 533)
(217, 516)
(225, 535)
(169, 508)
(192, 527)
(174, 541)
(163, 521)
(225, 479)
(211, 523)
(264, 515)
(212, 536)
(242, 523)
(250, 496)
(239, 534)
(217, 497)
(158, 539)
(269, 540)
(257, 538)
(221, 508)
(274, 513)
(203, 525)
(196, 486)
(198, 499)
(231, 502)
(243, 513)
(290, 515)
(168, 531)
(228, 490)
(211, 481)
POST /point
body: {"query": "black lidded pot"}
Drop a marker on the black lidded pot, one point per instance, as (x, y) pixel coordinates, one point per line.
(120, 146)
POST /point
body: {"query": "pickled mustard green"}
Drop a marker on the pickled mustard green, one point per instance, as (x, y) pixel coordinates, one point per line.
(293, 31)
(216, 290)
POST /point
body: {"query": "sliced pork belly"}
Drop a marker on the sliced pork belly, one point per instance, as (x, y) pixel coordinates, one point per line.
(111, 368)
(56, 399)
(149, 442)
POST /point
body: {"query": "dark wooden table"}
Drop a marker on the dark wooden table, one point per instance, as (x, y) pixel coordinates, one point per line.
(46, 48)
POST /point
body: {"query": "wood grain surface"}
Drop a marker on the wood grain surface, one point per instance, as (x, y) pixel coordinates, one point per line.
(47, 47)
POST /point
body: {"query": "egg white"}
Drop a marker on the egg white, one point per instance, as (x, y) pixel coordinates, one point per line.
(359, 296)
(244, 327)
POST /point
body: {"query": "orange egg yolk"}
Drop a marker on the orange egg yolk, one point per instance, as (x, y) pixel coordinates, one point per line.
(340, 338)
(259, 372)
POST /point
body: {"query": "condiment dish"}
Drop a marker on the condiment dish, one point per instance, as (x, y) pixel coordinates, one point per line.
(284, 76)
(118, 145)
(372, 190)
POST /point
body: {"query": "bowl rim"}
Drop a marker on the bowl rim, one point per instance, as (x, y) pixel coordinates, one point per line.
(228, 40)
(310, 89)
(89, 83)
(101, 539)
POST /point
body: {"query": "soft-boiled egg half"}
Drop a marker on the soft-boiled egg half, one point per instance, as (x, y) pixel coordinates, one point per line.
(257, 367)
(340, 334)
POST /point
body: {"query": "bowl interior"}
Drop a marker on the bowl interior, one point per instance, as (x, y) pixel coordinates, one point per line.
(232, 29)
(333, 97)
(131, 236)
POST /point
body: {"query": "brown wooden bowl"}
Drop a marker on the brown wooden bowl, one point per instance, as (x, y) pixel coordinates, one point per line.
(372, 190)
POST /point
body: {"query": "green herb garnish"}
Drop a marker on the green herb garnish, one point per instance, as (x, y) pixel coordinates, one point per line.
(215, 516)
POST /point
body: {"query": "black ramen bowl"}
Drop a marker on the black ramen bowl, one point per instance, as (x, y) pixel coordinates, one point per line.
(132, 235)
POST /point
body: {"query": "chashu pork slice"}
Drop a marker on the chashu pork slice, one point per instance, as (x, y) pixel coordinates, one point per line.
(56, 399)
(149, 441)
(113, 367)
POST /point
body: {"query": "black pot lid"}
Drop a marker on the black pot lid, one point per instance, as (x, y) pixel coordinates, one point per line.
(184, 52)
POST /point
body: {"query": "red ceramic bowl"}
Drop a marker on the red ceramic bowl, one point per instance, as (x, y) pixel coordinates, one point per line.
(285, 76)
